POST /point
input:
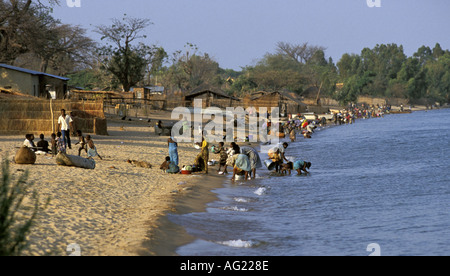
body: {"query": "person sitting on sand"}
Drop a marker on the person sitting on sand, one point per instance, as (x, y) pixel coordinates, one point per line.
(43, 145)
(28, 142)
(169, 166)
(92, 149)
(82, 142)
(300, 166)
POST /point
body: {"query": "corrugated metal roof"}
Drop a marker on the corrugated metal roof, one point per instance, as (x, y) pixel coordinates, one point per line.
(31, 72)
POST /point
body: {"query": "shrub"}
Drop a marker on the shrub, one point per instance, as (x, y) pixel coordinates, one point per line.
(16, 217)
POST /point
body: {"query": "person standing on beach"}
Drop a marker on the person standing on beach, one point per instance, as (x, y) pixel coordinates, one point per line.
(201, 161)
(64, 124)
(223, 158)
(60, 147)
(173, 150)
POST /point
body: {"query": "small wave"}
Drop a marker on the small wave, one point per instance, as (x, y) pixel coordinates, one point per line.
(261, 191)
(238, 243)
(241, 199)
(235, 208)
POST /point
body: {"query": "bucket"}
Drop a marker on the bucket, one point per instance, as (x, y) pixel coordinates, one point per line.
(270, 164)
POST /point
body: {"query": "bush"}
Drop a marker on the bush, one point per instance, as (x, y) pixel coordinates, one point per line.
(16, 218)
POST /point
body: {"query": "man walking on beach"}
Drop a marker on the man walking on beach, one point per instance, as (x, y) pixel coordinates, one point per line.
(64, 124)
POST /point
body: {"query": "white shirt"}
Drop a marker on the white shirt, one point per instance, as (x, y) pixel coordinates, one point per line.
(27, 143)
(64, 122)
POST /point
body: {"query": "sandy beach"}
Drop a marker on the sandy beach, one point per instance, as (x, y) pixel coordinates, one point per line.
(115, 208)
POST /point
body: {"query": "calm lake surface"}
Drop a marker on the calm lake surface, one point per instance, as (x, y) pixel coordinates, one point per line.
(381, 180)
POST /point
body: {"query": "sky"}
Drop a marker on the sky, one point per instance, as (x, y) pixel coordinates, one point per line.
(238, 33)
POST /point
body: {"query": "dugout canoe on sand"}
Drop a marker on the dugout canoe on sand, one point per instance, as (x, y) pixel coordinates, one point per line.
(63, 159)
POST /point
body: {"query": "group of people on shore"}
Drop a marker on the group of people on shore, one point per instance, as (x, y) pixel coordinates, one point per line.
(61, 141)
(244, 160)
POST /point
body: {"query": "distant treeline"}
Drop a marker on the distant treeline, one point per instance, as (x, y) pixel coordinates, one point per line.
(30, 37)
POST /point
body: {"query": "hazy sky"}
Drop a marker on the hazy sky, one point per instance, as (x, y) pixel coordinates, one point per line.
(236, 33)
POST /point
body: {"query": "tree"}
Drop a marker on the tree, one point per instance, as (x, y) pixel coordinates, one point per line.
(300, 53)
(22, 24)
(438, 79)
(125, 60)
(320, 74)
(190, 69)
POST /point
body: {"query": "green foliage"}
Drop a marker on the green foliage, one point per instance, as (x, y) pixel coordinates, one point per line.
(122, 57)
(14, 227)
(385, 71)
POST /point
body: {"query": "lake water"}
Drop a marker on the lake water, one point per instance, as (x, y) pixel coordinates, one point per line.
(381, 180)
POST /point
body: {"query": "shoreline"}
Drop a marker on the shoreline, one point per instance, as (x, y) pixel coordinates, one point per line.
(116, 209)
(169, 236)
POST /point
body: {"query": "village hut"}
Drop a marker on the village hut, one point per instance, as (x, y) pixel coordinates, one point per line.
(33, 83)
(287, 102)
(211, 97)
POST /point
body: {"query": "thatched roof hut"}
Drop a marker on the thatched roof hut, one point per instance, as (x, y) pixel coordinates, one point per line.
(287, 102)
(211, 97)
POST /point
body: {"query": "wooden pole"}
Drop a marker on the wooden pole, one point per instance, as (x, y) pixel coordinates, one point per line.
(53, 120)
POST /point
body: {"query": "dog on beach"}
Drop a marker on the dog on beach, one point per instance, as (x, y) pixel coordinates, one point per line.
(141, 164)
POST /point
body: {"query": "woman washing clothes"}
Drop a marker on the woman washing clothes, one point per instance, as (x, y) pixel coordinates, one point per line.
(254, 159)
(241, 166)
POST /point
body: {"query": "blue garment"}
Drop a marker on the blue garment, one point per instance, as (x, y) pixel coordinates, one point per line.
(253, 156)
(242, 162)
(298, 164)
(173, 153)
(172, 168)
